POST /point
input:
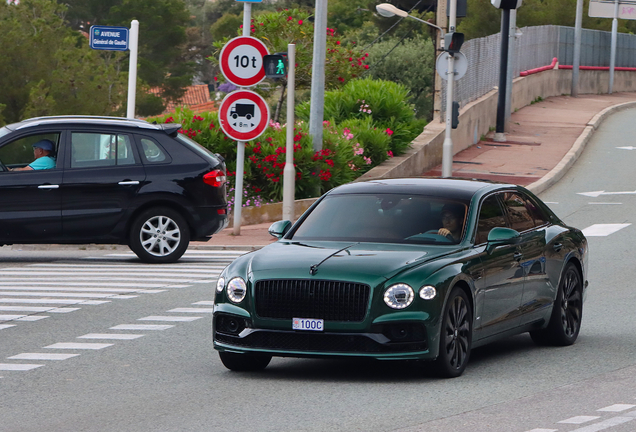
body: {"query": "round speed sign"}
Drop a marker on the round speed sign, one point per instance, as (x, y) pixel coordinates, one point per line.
(241, 61)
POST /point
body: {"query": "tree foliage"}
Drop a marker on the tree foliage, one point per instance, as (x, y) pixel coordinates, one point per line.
(47, 68)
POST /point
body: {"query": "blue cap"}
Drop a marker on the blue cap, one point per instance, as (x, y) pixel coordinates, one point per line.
(44, 145)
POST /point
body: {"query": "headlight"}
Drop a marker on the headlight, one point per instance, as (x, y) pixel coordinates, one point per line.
(220, 284)
(399, 296)
(236, 290)
(428, 292)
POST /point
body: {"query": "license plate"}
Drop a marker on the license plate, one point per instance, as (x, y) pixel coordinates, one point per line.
(308, 324)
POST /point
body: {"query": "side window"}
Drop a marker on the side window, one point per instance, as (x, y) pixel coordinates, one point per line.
(152, 152)
(19, 153)
(519, 212)
(100, 149)
(490, 216)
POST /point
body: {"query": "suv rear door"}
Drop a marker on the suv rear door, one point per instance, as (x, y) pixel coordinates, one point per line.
(102, 176)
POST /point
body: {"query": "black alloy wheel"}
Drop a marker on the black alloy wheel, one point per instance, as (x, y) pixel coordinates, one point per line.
(456, 335)
(565, 321)
(244, 362)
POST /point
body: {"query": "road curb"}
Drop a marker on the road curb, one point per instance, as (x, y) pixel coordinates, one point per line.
(571, 156)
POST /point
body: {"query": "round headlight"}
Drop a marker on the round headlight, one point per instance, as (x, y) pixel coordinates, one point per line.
(428, 292)
(236, 290)
(399, 296)
(220, 284)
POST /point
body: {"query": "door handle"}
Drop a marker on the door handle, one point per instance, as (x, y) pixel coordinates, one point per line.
(49, 187)
(128, 182)
(557, 247)
(517, 256)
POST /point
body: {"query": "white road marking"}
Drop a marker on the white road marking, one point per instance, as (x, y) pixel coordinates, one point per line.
(543, 430)
(36, 309)
(596, 194)
(90, 278)
(204, 303)
(76, 345)
(617, 408)
(627, 148)
(6, 326)
(579, 419)
(84, 270)
(605, 203)
(10, 317)
(141, 327)
(192, 310)
(117, 336)
(550, 202)
(122, 266)
(73, 290)
(82, 284)
(32, 318)
(65, 294)
(169, 318)
(614, 421)
(602, 230)
(54, 301)
(41, 356)
(18, 367)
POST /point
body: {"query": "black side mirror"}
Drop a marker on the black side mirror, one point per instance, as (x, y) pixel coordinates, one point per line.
(502, 236)
(279, 229)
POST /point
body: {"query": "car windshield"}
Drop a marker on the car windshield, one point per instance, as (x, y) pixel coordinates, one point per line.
(385, 218)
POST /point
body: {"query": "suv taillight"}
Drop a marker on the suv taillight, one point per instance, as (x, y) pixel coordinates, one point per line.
(215, 178)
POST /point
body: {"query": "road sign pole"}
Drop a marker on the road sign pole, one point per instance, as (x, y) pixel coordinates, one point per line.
(447, 148)
(289, 173)
(613, 52)
(132, 68)
(240, 145)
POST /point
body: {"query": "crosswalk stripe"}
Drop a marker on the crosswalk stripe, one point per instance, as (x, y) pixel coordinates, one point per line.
(88, 272)
(32, 318)
(18, 367)
(122, 266)
(37, 309)
(65, 294)
(41, 356)
(204, 303)
(603, 230)
(79, 345)
(169, 318)
(118, 336)
(6, 326)
(54, 301)
(142, 327)
(96, 278)
(53, 285)
(192, 310)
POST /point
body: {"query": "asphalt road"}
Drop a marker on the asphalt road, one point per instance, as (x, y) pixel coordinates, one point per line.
(172, 380)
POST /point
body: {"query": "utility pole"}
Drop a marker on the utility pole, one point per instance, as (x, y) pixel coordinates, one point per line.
(317, 104)
(442, 22)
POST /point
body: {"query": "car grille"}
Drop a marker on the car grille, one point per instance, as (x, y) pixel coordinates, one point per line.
(302, 298)
(317, 342)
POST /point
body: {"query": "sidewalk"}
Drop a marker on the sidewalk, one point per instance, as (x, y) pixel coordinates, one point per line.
(545, 139)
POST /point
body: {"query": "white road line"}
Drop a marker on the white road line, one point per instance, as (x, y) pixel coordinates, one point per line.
(57, 288)
(75, 271)
(543, 430)
(192, 310)
(169, 318)
(617, 408)
(579, 419)
(605, 203)
(204, 303)
(82, 284)
(6, 326)
(41, 356)
(10, 317)
(122, 266)
(65, 294)
(141, 327)
(36, 309)
(95, 278)
(54, 301)
(202, 281)
(614, 421)
(195, 252)
(117, 336)
(76, 345)
(32, 318)
(602, 230)
(18, 367)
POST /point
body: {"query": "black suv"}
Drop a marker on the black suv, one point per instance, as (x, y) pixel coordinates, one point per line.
(115, 181)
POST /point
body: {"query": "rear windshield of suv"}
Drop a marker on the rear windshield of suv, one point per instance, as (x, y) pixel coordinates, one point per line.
(197, 148)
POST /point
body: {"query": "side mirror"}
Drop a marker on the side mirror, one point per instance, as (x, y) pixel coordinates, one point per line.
(279, 229)
(502, 236)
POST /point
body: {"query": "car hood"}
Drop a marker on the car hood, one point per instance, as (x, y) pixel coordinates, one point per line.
(364, 262)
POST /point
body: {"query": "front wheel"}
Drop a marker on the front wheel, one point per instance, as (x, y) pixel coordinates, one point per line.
(244, 362)
(567, 311)
(456, 335)
(159, 235)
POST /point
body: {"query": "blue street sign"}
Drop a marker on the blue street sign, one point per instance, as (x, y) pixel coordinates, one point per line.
(109, 38)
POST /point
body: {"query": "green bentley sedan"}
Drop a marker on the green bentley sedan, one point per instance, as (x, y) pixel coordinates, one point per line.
(404, 269)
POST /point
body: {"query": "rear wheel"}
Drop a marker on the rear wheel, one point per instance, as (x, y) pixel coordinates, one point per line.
(244, 362)
(456, 335)
(567, 311)
(159, 235)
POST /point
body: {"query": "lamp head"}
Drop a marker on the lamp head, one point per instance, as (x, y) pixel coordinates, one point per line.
(388, 10)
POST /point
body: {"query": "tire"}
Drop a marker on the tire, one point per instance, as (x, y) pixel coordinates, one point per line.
(567, 311)
(244, 362)
(169, 242)
(456, 336)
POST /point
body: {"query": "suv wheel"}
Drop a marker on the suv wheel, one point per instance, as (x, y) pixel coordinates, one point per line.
(159, 235)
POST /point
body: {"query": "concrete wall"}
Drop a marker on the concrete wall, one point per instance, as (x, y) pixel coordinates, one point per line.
(475, 120)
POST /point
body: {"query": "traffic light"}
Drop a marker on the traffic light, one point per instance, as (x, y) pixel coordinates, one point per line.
(275, 65)
(453, 42)
(455, 115)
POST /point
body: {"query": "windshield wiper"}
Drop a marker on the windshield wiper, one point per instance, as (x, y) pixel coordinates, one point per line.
(314, 268)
